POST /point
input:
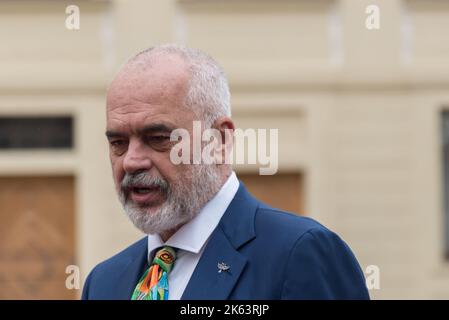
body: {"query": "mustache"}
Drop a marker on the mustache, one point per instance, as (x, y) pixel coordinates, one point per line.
(143, 180)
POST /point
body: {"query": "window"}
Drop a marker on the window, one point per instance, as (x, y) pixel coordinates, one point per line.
(36, 132)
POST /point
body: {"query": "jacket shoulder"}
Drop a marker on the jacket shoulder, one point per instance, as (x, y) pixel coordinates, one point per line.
(128, 253)
(316, 262)
(105, 272)
(284, 222)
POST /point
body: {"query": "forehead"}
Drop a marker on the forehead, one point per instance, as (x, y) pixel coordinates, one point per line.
(143, 93)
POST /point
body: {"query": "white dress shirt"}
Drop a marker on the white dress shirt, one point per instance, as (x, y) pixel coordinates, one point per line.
(191, 238)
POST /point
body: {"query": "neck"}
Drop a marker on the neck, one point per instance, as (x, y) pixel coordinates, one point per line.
(167, 234)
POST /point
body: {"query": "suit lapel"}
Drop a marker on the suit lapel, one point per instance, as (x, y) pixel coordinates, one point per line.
(130, 273)
(234, 230)
(206, 282)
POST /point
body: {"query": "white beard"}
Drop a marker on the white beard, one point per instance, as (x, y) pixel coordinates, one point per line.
(184, 199)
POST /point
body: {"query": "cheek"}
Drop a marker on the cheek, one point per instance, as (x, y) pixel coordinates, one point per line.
(117, 171)
(166, 168)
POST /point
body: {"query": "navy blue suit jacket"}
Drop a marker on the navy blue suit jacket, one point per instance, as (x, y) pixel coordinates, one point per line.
(272, 255)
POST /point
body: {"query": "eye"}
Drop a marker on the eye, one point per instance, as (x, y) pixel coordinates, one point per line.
(158, 138)
(117, 143)
(159, 142)
(118, 146)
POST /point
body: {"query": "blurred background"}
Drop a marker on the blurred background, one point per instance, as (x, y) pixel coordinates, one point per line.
(363, 119)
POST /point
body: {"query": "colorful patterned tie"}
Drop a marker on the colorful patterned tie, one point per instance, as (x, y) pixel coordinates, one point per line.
(154, 283)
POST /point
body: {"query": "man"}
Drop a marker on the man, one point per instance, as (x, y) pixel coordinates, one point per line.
(207, 237)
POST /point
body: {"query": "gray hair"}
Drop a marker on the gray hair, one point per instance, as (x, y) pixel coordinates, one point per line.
(208, 93)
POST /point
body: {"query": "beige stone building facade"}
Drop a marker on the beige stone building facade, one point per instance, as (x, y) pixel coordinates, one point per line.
(359, 114)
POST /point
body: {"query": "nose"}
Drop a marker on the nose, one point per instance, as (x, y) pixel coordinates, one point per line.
(137, 158)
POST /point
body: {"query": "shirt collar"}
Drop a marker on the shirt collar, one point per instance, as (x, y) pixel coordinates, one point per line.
(193, 235)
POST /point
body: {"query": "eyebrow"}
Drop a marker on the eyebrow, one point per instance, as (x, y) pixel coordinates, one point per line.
(114, 134)
(152, 128)
(157, 127)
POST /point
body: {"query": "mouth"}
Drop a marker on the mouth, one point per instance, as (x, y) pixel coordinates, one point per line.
(144, 194)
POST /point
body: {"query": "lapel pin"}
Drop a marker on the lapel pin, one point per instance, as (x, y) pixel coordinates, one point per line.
(222, 267)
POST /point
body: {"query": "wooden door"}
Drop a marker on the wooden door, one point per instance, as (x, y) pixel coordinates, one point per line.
(36, 237)
(283, 191)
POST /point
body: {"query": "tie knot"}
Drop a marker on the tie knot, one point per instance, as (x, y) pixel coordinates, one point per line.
(165, 258)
